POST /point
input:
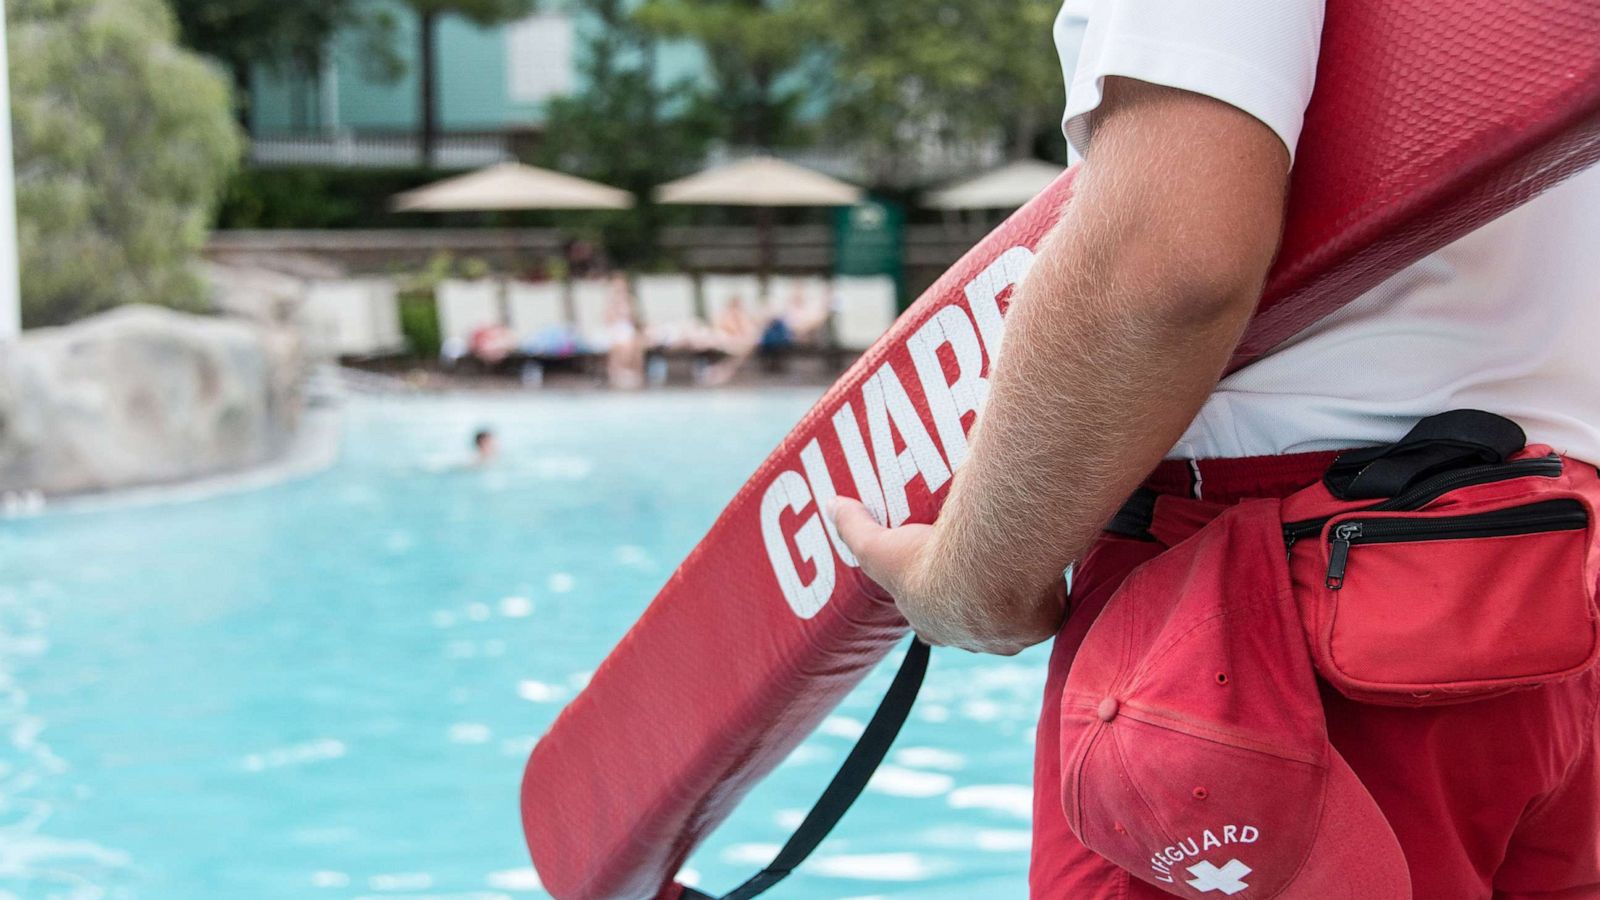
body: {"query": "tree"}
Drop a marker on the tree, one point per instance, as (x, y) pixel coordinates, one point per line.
(756, 55)
(942, 71)
(480, 12)
(281, 34)
(623, 128)
(123, 142)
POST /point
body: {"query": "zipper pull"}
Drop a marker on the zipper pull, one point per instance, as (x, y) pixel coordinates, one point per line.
(1339, 557)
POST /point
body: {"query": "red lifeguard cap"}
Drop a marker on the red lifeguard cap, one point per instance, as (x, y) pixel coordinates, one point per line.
(1194, 748)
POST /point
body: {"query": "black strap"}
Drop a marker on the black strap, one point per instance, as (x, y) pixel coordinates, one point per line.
(847, 783)
(1133, 520)
(1449, 440)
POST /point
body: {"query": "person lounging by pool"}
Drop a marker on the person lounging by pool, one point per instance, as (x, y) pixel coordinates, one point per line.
(624, 339)
(736, 333)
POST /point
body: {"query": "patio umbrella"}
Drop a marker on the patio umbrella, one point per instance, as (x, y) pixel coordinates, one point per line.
(512, 186)
(509, 186)
(760, 181)
(763, 182)
(1007, 187)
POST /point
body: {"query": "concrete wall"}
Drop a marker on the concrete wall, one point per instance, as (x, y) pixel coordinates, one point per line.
(801, 250)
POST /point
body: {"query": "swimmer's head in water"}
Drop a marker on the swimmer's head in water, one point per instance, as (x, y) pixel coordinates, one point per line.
(483, 441)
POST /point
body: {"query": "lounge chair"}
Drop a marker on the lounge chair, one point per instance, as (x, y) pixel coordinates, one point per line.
(719, 290)
(534, 306)
(464, 307)
(591, 298)
(536, 312)
(864, 308)
(353, 318)
(673, 327)
(666, 304)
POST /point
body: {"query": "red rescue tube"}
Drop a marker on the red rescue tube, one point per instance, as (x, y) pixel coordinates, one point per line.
(1430, 117)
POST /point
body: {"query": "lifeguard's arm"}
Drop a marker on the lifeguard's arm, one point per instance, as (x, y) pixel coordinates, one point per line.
(1119, 333)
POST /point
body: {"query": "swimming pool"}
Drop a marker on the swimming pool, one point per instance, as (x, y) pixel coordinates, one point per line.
(328, 688)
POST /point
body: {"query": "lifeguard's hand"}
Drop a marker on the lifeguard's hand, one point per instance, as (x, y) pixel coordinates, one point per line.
(895, 559)
(940, 602)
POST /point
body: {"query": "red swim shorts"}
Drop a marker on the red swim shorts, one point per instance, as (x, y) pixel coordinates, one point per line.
(1496, 799)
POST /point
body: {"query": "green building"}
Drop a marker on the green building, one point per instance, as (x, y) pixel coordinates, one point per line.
(491, 89)
(492, 86)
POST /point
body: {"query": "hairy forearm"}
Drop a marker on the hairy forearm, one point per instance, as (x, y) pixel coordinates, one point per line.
(1112, 344)
(1043, 477)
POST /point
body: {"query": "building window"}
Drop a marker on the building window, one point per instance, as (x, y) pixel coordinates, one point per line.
(539, 58)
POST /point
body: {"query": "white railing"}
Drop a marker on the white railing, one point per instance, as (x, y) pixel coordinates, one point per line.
(450, 151)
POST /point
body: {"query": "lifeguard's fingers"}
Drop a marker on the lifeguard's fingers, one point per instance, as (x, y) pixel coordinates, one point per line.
(855, 524)
(860, 532)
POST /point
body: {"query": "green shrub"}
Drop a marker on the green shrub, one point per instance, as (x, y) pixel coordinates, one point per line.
(419, 313)
(321, 197)
(123, 144)
(329, 197)
(419, 322)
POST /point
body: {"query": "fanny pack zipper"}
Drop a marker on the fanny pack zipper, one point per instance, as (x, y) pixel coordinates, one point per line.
(1546, 516)
(1434, 488)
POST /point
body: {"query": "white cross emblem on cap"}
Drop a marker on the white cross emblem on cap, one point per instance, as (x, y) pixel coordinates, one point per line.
(1229, 879)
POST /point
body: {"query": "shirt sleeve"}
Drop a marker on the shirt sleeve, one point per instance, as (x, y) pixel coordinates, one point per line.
(1257, 55)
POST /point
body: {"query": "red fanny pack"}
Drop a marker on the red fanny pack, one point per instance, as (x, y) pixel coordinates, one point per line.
(1455, 565)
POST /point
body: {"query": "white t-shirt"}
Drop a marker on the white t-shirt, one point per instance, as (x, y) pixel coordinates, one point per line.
(1506, 319)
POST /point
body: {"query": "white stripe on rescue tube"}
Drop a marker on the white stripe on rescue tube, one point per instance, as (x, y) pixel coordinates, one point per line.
(888, 406)
(948, 402)
(822, 489)
(789, 490)
(855, 455)
(983, 295)
(881, 487)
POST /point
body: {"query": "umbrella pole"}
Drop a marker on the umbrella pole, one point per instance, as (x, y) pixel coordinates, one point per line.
(768, 252)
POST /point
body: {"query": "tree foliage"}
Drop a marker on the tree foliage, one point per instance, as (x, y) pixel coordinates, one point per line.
(624, 128)
(756, 53)
(123, 142)
(883, 78)
(943, 70)
(276, 33)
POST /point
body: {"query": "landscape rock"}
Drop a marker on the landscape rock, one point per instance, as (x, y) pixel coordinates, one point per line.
(143, 395)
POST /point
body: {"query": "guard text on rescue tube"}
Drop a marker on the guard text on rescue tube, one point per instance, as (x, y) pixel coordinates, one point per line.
(880, 476)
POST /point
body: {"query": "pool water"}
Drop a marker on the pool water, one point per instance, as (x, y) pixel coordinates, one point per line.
(327, 688)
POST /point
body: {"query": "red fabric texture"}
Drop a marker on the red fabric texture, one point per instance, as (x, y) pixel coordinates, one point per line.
(1497, 799)
(1430, 117)
(1507, 612)
(1194, 752)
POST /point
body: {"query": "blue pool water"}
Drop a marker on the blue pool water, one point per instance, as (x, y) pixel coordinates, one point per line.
(327, 688)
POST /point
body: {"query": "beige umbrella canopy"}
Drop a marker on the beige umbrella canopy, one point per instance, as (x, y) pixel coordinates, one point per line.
(763, 182)
(508, 186)
(1007, 187)
(760, 181)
